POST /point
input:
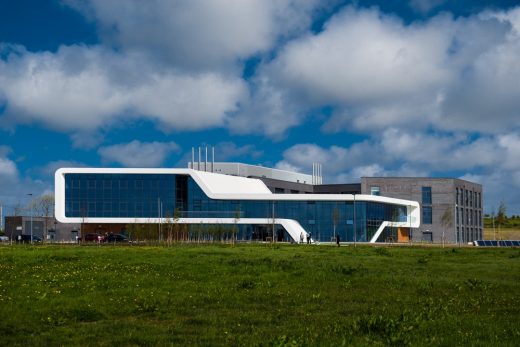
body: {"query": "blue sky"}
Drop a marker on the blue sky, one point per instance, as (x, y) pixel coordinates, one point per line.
(411, 88)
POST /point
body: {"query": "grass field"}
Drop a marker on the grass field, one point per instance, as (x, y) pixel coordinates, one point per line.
(281, 295)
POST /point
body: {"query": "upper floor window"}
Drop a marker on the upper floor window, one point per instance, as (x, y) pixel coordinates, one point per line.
(427, 195)
(374, 190)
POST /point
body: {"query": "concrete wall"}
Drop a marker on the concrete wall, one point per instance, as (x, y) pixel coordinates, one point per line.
(444, 193)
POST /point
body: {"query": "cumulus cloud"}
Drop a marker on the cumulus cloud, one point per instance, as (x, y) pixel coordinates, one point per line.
(138, 154)
(13, 186)
(361, 55)
(487, 93)
(335, 159)
(400, 153)
(199, 34)
(269, 110)
(84, 88)
(376, 71)
(489, 160)
(8, 169)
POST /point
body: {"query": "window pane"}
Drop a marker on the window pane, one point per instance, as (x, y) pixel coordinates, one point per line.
(427, 215)
(427, 195)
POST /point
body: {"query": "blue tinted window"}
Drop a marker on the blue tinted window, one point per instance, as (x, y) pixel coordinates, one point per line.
(427, 215)
(118, 195)
(427, 195)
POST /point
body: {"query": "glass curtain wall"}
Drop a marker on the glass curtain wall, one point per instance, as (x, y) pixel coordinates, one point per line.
(154, 195)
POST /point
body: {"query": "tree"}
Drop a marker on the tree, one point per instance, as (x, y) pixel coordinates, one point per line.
(176, 216)
(173, 226)
(236, 219)
(501, 215)
(446, 222)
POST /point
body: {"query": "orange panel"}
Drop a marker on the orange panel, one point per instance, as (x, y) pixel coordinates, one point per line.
(403, 235)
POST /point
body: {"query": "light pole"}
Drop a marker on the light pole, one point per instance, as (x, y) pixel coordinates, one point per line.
(30, 194)
(355, 224)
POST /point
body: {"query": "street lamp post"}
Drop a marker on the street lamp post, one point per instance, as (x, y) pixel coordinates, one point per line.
(55, 229)
(30, 194)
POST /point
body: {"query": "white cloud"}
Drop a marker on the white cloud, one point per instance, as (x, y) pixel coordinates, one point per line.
(335, 159)
(440, 152)
(396, 152)
(8, 169)
(199, 34)
(269, 110)
(14, 188)
(363, 56)
(510, 157)
(378, 72)
(138, 154)
(82, 89)
(485, 98)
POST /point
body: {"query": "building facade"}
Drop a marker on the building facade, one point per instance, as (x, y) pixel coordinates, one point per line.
(451, 209)
(45, 228)
(193, 197)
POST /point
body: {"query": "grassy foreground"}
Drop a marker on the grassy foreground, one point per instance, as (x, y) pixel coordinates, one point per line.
(258, 295)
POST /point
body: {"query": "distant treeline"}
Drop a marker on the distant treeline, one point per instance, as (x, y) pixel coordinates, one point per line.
(506, 222)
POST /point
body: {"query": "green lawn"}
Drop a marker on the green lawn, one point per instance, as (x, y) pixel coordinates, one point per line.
(258, 295)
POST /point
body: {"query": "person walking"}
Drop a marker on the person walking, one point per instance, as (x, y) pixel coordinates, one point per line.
(301, 237)
(309, 235)
(337, 239)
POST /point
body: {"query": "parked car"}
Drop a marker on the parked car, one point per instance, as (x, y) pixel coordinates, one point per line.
(27, 238)
(4, 239)
(93, 238)
(116, 238)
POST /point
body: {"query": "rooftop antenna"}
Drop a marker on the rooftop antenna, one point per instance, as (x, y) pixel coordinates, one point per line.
(198, 166)
(206, 161)
(212, 159)
(192, 158)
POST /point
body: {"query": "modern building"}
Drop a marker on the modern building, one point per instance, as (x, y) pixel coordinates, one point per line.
(451, 209)
(196, 198)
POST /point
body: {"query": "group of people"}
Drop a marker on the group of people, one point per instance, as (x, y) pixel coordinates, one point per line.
(309, 238)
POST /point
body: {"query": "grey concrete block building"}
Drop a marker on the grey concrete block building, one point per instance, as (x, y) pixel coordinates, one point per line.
(42, 227)
(451, 209)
